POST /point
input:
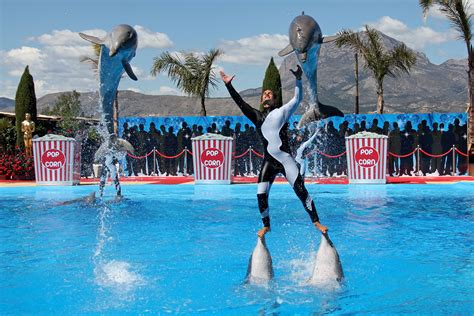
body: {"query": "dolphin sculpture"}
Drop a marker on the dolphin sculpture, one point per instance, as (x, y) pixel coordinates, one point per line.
(117, 50)
(306, 40)
(260, 268)
(328, 267)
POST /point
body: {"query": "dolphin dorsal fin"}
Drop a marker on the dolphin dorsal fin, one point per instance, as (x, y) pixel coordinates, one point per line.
(331, 38)
(285, 51)
(91, 38)
(129, 70)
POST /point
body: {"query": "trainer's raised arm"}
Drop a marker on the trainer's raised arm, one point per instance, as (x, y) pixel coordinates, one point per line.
(227, 79)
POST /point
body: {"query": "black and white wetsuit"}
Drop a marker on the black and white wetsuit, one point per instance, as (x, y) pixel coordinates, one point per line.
(272, 127)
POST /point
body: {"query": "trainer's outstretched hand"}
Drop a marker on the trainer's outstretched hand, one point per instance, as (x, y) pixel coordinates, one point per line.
(227, 79)
(297, 73)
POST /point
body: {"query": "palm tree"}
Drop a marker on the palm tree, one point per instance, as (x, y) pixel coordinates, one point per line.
(94, 61)
(192, 73)
(378, 60)
(457, 12)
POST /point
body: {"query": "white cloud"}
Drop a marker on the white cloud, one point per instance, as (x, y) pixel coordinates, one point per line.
(54, 60)
(150, 39)
(255, 50)
(416, 38)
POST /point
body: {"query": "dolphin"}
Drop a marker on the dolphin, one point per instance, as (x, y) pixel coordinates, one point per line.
(305, 40)
(260, 268)
(88, 200)
(328, 267)
(117, 50)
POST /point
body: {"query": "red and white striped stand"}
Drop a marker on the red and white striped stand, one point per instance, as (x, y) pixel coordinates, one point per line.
(212, 159)
(367, 158)
(57, 160)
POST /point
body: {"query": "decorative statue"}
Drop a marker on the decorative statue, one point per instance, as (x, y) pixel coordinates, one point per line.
(28, 128)
(117, 50)
(305, 40)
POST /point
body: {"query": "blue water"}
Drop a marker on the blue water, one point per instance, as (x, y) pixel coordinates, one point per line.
(184, 249)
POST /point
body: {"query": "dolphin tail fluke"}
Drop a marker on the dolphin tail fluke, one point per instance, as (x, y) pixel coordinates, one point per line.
(329, 111)
(285, 51)
(312, 115)
(323, 111)
(129, 70)
(91, 39)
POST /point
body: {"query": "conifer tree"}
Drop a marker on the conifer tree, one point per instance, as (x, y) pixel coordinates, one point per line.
(25, 102)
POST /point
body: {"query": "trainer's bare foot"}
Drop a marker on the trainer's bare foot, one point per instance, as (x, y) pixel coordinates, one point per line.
(261, 233)
(322, 228)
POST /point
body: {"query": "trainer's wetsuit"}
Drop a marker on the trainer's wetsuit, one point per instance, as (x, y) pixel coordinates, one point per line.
(272, 127)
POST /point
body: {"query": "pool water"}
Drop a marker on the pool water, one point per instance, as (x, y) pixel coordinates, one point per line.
(184, 249)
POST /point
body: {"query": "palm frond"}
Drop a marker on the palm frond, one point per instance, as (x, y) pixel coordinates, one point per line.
(426, 5)
(457, 13)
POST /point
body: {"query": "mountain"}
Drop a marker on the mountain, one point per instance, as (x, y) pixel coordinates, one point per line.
(6, 104)
(428, 88)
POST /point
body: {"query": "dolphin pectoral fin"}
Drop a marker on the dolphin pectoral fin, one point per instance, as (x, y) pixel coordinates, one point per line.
(129, 70)
(285, 51)
(91, 38)
(328, 39)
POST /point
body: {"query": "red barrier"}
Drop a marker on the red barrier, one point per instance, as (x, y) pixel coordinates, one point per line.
(402, 156)
(434, 155)
(241, 155)
(257, 154)
(311, 153)
(461, 153)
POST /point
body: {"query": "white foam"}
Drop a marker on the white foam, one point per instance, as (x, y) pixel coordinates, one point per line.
(117, 274)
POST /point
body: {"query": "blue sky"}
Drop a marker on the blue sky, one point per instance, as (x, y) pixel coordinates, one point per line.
(43, 34)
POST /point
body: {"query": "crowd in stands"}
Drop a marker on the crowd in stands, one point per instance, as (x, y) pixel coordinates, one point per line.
(323, 156)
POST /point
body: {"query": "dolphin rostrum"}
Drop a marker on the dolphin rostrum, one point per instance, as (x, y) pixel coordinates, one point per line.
(260, 268)
(306, 40)
(117, 50)
(328, 267)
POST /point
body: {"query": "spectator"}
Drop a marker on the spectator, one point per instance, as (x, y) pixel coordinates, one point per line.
(226, 130)
(162, 149)
(425, 141)
(155, 137)
(184, 142)
(436, 149)
(239, 166)
(143, 140)
(375, 127)
(171, 149)
(448, 140)
(132, 162)
(407, 146)
(394, 147)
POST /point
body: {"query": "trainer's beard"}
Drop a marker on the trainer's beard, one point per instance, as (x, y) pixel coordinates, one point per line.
(271, 104)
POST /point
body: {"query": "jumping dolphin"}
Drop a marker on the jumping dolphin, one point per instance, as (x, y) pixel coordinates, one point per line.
(306, 40)
(117, 50)
(328, 267)
(260, 268)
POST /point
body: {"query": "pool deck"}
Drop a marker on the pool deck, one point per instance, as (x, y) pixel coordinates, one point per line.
(253, 179)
